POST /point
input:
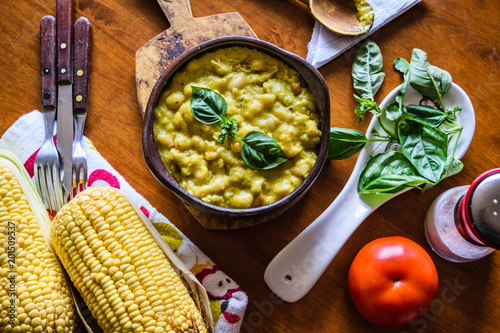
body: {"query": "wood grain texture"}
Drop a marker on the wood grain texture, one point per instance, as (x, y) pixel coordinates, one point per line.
(460, 36)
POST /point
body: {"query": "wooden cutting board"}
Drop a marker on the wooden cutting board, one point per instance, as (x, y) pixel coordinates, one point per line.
(184, 33)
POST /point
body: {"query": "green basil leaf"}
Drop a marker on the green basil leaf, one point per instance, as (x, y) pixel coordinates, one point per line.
(402, 65)
(395, 110)
(454, 167)
(366, 71)
(229, 128)
(426, 114)
(425, 147)
(207, 105)
(388, 172)
(347, 134)
(344, 143)
(260, 151)
(429, 80)
(394, 184)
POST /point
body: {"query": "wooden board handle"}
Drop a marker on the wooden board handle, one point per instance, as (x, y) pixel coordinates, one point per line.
(48, 61)
(177, 11)
(81, 64)
(64, 42)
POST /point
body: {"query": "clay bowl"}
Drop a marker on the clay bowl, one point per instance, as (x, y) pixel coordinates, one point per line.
(215, 217)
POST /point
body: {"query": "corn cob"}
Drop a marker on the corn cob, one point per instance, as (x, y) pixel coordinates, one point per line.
(120, 271)
(34, 295)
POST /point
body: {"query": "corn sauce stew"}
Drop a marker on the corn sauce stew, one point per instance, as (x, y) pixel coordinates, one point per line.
(263, 94)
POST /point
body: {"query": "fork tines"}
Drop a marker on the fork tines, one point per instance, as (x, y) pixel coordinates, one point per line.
(82, 33)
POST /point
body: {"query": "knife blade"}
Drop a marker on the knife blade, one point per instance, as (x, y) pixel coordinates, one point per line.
(65, 93)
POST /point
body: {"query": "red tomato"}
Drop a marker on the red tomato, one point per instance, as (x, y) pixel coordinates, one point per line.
(392, 281)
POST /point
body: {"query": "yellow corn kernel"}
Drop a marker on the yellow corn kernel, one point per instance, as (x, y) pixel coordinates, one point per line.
(121, 264)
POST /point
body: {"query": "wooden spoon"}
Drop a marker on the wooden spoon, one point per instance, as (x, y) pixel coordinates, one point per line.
(340, 16)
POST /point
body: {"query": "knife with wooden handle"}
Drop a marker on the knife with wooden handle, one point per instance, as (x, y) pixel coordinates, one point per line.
(65, 93)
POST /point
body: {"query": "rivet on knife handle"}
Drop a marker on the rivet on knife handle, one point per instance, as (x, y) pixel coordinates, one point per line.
(48, 61)
(64, 42)
(82, 38)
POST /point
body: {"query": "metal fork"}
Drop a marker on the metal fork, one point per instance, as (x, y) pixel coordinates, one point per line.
(47, 179)
(81, 65)
(79, 168)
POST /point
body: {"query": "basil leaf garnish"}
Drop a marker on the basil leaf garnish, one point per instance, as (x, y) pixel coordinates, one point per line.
(207, 105)
(260, 151)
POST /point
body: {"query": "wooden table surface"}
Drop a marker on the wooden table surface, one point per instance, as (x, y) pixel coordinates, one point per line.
(460, 36)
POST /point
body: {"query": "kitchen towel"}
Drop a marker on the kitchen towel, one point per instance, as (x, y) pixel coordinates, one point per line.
(227, 301)
(325, 45)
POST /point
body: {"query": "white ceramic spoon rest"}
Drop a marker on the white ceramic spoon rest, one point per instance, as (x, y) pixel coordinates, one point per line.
(295, 270)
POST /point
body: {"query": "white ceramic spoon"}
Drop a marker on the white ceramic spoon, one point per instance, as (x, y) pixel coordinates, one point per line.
(295, 270)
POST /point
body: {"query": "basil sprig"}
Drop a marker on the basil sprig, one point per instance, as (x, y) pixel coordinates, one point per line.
(422, 156)
(367, 77)
(258, 150)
